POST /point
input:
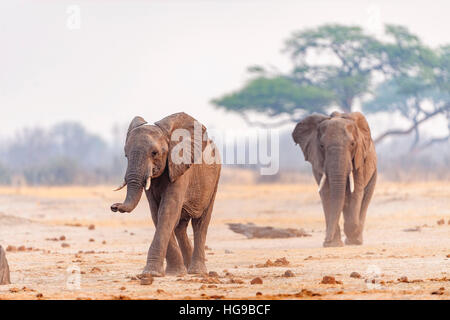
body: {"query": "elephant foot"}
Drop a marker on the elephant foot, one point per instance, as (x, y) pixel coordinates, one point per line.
(353, 242)
(197, 268)
(154, 271)
(176, 270)
(328, 244)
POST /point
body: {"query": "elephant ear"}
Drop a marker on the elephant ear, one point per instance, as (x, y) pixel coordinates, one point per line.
(363, 139)
(337, 114)
(135, 123)
(306, 134)
(187, 141)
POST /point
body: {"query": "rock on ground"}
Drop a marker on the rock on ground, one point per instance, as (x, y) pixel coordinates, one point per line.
(252, 231)
(4, 268)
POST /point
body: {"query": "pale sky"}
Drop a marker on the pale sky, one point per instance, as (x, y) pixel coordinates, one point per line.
(154, 58)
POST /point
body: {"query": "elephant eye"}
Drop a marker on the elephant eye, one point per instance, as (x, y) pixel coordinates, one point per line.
(154, 153)
(352, 143)
(322, 146)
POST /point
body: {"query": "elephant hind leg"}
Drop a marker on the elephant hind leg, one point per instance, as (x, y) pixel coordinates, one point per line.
(183, 241)
(337, 235)
(174, 258)
(200, 227)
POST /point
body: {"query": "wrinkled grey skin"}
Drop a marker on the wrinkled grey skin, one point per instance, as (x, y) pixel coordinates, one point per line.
(336, 145)
(4, 268)
(178, 194)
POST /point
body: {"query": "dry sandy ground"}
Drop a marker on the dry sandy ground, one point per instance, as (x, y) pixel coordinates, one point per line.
(115, 251)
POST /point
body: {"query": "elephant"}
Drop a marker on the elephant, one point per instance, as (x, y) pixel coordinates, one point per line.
(177, 191)
(344, 164)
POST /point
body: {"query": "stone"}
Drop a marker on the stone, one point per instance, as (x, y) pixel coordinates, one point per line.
(256, 281)
(4, 268)
(288, 274)
(146, 279)
(252, 231)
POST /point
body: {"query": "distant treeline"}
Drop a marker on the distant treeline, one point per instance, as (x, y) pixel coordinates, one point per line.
(69, 154)
(64, 154)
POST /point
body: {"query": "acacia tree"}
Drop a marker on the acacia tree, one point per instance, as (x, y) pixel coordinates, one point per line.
(276, 96)
(351, 56)
(334, 66)
(418, 88)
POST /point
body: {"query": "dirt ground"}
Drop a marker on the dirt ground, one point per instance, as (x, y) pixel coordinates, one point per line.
(406, 253)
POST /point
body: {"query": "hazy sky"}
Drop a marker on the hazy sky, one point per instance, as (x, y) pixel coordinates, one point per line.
(153, 58)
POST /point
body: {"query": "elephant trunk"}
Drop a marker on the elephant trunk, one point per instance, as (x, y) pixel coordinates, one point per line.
(337, 174)
(134, 193)
(137, 178)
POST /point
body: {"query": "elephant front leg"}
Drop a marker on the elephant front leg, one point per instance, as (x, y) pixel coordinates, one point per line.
(352, 221)
(333, 231)
(168, 214)
(332, 238)
(173, 256)
(355, 234)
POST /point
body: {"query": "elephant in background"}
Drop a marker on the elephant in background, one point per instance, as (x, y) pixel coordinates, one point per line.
(177, 191)
(344, 164)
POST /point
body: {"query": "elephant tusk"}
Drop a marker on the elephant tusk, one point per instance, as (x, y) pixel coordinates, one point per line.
(352, 181)
(148, 183)
(322, 182)
(121, 186)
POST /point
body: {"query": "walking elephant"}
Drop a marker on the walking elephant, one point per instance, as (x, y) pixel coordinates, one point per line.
(344, 164)
(180, 179)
